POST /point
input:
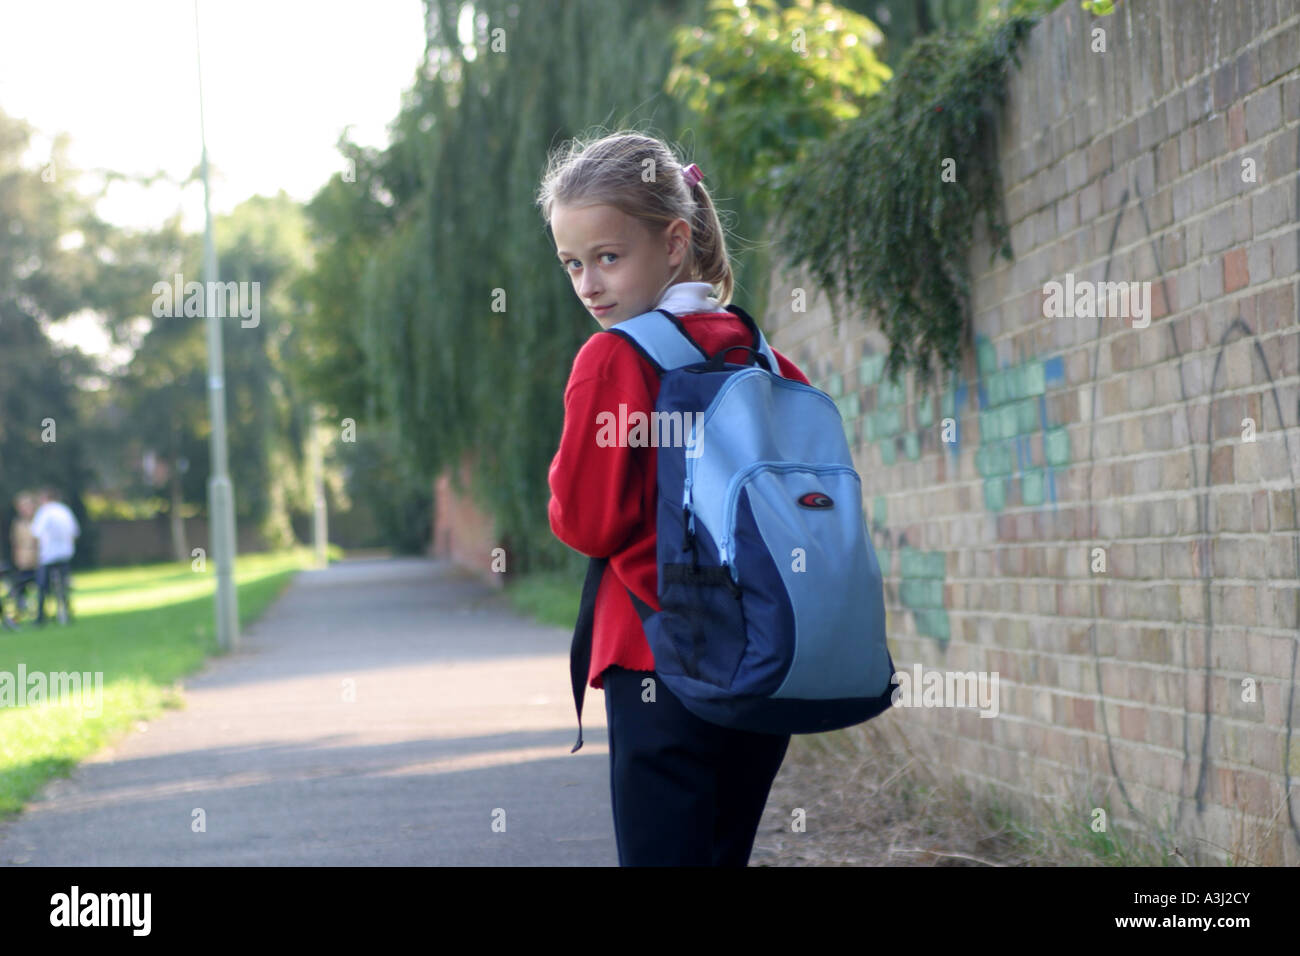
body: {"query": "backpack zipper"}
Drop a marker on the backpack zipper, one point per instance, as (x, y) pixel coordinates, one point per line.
(727, 544)
(730, 383)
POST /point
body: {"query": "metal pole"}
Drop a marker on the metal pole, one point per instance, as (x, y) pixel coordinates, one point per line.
(320, 523)
(221, 495)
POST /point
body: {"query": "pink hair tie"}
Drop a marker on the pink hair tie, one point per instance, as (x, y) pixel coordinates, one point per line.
(692, 175)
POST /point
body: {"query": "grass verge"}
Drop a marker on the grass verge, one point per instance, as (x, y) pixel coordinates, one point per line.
(871, 797)
(136, 632)
(548, 597)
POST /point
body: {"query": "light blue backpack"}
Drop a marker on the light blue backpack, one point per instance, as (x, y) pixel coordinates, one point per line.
(772, 610)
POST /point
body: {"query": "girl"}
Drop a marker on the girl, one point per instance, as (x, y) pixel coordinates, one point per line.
(635, 231)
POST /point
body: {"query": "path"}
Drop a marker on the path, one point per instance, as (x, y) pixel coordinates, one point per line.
(461, 707)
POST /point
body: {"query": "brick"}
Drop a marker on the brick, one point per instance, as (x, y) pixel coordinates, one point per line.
(1162, 290)
(1202, 185)
(1277, 309)
(1200, 99)
(1166, 162)
(1242, 231)
(1153, 127)
(1221, 469)
(1067, 214)
(1112, 189)
(1286, 252)
(1228, 181)
(1124, 143)
(1183, 200)
(1279, 157)
(1263, 112)
(1211, 139)
(1265, 17)
(1189, 50)
(1247, 64)
(1099, 160)
(1219, 234)
(1232, 511)
(1176, 113)
(1076, 170)
(1225, 86)
(1291, 98)
(1277, 54)
(1235, 275)
(1236, 126)
(1271, 207)
(1082, 713)
(1259, 258)
(1133, 723)
(1173, 254)
(1280, 557)
(1187, 150)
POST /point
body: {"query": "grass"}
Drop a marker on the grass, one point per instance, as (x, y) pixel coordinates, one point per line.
(142, 628)
(548, 597)
(880, 800)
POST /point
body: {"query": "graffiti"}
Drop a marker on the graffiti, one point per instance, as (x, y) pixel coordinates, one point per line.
(1008, 399)
(1239, 328)
(1012, 414)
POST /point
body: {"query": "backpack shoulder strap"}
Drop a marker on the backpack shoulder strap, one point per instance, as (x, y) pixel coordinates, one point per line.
(760, 343)
(661, 339)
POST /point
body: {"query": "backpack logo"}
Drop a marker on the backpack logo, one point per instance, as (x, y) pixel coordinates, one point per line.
(815, 499)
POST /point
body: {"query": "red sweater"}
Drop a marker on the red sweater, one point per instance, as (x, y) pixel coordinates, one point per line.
(603, 499)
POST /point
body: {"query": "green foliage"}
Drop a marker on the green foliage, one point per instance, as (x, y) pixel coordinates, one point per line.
(765, 80)
(871, 216)
(903, 21)
(381, 483)
(159, 404)
(465, 326)
(1040, 8)
(41, 282)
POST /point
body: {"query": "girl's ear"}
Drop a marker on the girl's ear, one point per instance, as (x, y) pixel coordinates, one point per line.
(679, 237)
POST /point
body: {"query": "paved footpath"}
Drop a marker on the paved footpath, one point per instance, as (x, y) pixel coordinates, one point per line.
(462, 714)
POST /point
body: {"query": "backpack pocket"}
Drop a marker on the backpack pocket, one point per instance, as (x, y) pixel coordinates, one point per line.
(796, 537)
(701, 621)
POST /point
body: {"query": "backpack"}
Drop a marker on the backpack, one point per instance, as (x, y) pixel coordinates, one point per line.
(772, 612)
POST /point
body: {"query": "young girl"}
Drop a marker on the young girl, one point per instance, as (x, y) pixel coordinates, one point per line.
(635, 231)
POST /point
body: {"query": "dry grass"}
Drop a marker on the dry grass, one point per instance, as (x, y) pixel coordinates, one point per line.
(872, 798)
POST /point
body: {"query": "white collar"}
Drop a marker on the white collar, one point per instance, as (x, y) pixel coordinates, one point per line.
(685, 297)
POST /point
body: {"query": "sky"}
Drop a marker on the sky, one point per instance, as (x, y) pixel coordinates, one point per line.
(281, 81)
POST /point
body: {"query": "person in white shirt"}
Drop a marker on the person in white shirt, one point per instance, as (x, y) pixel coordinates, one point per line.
(55, 528)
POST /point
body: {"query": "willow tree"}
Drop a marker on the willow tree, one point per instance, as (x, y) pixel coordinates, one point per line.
(466, 320)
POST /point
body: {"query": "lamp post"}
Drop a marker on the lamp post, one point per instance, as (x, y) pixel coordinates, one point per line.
(221, 495)
(320, 519)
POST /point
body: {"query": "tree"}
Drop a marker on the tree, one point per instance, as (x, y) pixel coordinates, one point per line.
(41, 281)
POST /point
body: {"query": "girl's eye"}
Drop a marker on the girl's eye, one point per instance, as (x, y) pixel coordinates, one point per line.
(565, 265)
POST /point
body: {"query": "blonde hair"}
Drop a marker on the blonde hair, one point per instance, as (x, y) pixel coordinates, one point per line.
(612, 170)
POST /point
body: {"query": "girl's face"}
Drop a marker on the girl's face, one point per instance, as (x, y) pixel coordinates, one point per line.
(614, 261)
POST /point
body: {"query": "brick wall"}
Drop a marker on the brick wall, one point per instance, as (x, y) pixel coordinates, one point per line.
(463, 531)
(1073, 434)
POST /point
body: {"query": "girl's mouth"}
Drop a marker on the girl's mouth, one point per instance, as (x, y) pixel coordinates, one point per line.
(601, 309)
